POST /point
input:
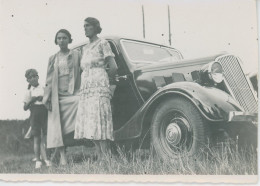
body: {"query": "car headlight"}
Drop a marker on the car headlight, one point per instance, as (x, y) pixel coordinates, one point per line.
(211, 73)
(215, 72)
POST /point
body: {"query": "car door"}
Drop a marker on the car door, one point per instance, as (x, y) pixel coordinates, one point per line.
(124, 102)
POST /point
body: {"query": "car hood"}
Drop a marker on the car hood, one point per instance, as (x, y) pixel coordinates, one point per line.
(150, 77)
(177, 64)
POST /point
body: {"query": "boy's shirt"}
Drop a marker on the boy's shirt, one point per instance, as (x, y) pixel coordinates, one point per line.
(34, 92)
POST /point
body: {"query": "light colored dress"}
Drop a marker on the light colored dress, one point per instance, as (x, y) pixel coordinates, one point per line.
(94, 116)
(62, 90)
(68, 103)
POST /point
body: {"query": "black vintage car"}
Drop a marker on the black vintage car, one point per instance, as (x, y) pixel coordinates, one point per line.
(177, 104)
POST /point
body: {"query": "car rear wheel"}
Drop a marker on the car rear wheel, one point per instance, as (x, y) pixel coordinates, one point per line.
(178, 129)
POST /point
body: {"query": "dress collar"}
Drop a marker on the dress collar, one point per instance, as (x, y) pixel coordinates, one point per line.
(70, 53)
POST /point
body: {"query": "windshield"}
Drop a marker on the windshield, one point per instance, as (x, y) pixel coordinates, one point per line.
(138, 52)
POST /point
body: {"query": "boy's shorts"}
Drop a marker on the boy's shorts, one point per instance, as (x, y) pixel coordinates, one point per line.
(38, 120)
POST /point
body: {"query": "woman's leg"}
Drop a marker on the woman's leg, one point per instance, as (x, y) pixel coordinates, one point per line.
(97, 149)
(36, 147)
(63, 158)
(103, 146)
(54, 155)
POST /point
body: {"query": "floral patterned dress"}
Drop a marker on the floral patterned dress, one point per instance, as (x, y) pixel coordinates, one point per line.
(94, 116)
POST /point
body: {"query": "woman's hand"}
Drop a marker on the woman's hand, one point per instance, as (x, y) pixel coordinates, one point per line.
(46, 100)
(48, 105)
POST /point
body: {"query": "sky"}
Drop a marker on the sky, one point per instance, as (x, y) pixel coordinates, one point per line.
(199, 28)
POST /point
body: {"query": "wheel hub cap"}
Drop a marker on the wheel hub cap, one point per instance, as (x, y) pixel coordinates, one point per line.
(173, 133)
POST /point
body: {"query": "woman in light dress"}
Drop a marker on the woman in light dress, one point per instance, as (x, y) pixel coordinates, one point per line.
(94, 116)
(61, 93)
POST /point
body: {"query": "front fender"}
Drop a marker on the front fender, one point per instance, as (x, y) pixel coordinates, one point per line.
(213, 104)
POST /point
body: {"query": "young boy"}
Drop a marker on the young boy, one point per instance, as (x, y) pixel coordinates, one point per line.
(38, 117)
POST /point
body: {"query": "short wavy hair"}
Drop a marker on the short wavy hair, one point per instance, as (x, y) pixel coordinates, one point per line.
(64, 31)
(95, 23)
(30, 72)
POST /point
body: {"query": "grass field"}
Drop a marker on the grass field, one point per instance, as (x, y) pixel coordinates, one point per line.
(220, 160)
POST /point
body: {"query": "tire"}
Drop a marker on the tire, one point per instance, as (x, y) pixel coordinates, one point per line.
(178, 129)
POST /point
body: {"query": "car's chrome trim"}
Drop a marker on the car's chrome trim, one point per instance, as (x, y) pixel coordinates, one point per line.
(242, 117)
(242, 68)
(239, 61)
(229, 88)
(246, 76)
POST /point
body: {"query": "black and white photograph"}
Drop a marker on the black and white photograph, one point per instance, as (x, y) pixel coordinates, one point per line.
(129, 90)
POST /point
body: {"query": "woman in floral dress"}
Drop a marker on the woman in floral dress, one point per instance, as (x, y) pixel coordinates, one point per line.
(94, 116)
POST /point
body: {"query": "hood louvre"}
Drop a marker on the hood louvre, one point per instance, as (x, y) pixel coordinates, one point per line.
(161, 81)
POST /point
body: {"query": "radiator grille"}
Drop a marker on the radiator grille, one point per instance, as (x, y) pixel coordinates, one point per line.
(238, 82)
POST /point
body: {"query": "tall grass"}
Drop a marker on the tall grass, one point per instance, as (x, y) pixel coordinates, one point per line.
(217, 161)
(223, 159)
(12, 136)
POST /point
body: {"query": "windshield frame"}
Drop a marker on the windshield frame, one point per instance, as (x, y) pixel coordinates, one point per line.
(177, 51)
(147, 44)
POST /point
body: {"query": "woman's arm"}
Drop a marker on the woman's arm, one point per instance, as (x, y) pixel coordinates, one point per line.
(110, 63)
(79, 60)
(112, 69)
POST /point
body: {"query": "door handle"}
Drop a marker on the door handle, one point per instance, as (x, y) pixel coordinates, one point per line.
(118, 78)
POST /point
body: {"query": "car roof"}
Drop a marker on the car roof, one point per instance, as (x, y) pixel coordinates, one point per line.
(118, 38)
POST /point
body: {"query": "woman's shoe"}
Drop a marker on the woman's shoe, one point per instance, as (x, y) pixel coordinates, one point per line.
(63, 161)
(48, 163)
(35, 159)
(38, 164)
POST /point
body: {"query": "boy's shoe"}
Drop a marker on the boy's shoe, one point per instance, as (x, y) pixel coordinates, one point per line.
(48, 163)
(38, 164)
(35, 159)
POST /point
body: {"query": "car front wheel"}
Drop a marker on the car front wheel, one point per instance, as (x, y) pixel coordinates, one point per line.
(178, 129)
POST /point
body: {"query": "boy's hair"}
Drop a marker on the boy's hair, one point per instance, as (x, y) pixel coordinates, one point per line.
(30, 72)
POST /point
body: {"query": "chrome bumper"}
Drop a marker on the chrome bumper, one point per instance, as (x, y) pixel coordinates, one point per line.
(242, 116)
